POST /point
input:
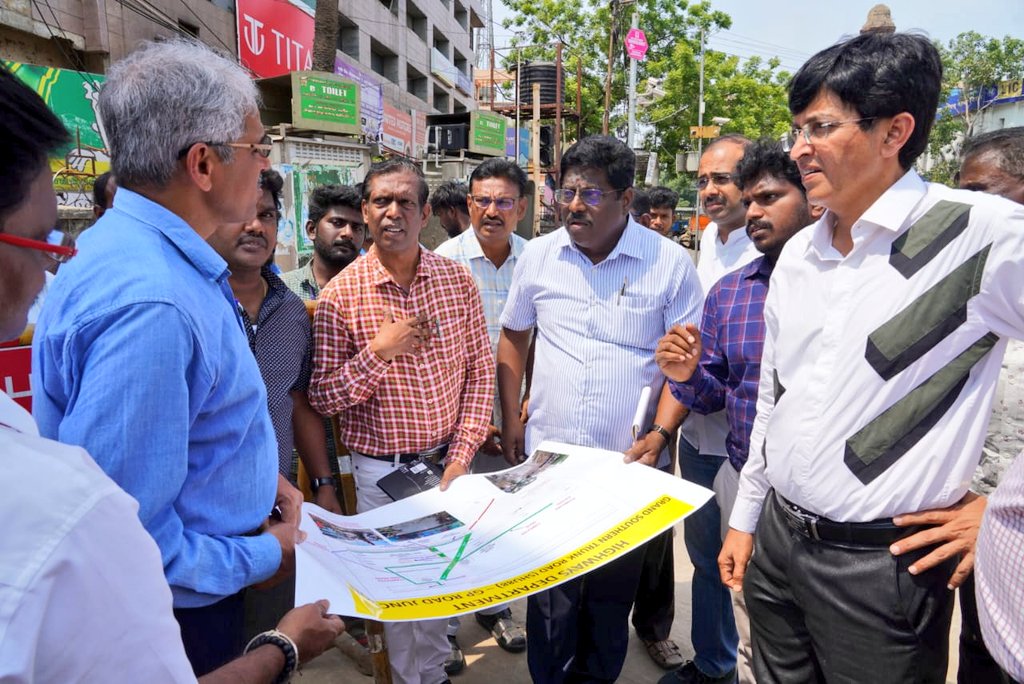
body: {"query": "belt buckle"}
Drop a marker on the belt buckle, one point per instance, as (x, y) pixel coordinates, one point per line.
(809, 520)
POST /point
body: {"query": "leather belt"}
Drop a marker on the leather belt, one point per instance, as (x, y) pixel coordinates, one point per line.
(874, 533)
(434, 454)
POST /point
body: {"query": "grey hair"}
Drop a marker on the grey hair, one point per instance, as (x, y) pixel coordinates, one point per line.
(166, 96)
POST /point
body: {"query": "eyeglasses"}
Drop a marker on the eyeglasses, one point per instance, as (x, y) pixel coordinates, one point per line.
(502, 203)
(817, 131)
(262, 148)
(59, 246)
(716, 178)
(590, 196)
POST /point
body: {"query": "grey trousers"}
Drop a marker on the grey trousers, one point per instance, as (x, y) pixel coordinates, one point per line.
(826, 612)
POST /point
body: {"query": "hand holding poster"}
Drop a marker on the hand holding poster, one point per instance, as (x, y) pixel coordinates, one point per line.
(489, 538)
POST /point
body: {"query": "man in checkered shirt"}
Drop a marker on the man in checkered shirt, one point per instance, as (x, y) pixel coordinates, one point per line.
(401, 356)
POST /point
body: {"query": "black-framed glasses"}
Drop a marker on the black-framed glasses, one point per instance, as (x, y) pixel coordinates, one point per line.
(262, 148)
(502, 203)
(816, 131)
(718, 179)
(590, 196)
(58, 245)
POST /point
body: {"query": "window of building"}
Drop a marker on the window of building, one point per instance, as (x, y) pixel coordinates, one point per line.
(441, 43)
(461, 15)
(383, 61)
(442, 100)
(348, 36)
(416, 83)
(416, 20)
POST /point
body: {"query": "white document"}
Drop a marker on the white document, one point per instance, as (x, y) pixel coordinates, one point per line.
(490, 538)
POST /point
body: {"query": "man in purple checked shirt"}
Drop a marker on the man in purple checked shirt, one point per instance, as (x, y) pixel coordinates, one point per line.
(731, 337)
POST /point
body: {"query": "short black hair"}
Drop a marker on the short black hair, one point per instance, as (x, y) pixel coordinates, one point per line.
(605, 153)
(641, 203)
(326, 197)
(450, 195)
(500, 168)
(29, 131)
(663, 198)
(396, 165)
(99, 189)
(271, 181)
(879, 75)
(766, 158)
(1007, 144)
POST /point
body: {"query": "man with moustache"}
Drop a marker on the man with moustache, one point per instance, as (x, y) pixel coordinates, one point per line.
(599, 292)
(337, 230)
(724, 247)
(729, 342)
(143, 361)
(490, 250)
(885, 323)
(402, 333)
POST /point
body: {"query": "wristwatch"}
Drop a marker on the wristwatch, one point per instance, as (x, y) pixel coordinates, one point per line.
(661, 431)
(317, 482)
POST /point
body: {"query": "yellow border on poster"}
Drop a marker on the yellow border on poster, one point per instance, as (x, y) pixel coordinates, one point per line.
(642, 525)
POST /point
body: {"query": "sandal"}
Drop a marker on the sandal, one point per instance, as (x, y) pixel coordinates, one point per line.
(509, 634)
(664, 653)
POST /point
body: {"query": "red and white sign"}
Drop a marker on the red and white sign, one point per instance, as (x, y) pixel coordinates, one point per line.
(396, 130)
(636, 44)
(274, 37)
(16, 374)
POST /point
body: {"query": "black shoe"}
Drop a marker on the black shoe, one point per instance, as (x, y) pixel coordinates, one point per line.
(509, 634)
(689, 674)
(456, 662)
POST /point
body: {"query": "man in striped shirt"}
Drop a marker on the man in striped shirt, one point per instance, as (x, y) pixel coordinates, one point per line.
(600, 292)
(401, 356)
(886, 323)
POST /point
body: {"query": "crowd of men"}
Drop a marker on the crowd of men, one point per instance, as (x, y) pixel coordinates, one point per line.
(835, 367)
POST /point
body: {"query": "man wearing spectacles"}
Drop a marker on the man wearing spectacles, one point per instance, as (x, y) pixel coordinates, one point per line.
(337, 230)
(142, 358)
(490, 250)
(886, 324)
(77, 557)
(724, 247)
(599, 292)
(448, 204)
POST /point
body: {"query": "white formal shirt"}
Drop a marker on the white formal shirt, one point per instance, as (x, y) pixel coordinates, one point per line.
(82, 591)
(864, 427)
(597, 328)
(708, 432)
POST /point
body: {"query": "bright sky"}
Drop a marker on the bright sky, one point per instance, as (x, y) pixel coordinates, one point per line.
(795, 29)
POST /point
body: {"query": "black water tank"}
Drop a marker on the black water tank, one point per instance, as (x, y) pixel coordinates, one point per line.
(545, 73)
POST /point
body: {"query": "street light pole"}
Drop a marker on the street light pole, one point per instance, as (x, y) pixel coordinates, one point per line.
(631, 130)
(608, 76)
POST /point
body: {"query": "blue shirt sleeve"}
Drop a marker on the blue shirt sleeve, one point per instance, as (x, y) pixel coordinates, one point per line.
(131, 382)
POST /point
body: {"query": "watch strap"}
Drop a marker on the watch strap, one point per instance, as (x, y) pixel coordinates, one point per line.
(318, 482)
(661, 431)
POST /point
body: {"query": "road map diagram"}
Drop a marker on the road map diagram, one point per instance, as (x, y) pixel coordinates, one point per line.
(490, 538)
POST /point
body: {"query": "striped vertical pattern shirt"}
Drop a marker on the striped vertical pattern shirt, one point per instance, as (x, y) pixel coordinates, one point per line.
(415, 402)
(879, 366)
(732, 334)
(493, 282)
(597, 328)
(999, 572)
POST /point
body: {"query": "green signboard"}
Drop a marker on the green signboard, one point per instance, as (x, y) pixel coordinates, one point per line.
(72, 96)
(325, 102)
(487, 133)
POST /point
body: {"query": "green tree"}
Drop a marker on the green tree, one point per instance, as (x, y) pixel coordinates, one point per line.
(972, 66)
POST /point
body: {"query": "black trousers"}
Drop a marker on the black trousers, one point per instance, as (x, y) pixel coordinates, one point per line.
(578, 631)
(213, 635)
(976, 663)
(654, 608)
(825, 612)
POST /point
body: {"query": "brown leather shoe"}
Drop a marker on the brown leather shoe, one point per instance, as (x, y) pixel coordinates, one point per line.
(664, 653)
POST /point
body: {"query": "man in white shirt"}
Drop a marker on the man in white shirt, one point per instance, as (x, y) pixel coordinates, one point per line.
(724, 247)
(885, 327)
(82, 589)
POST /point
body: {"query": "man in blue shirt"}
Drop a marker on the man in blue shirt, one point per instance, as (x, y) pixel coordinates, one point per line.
(731, 337)
(140, 356)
